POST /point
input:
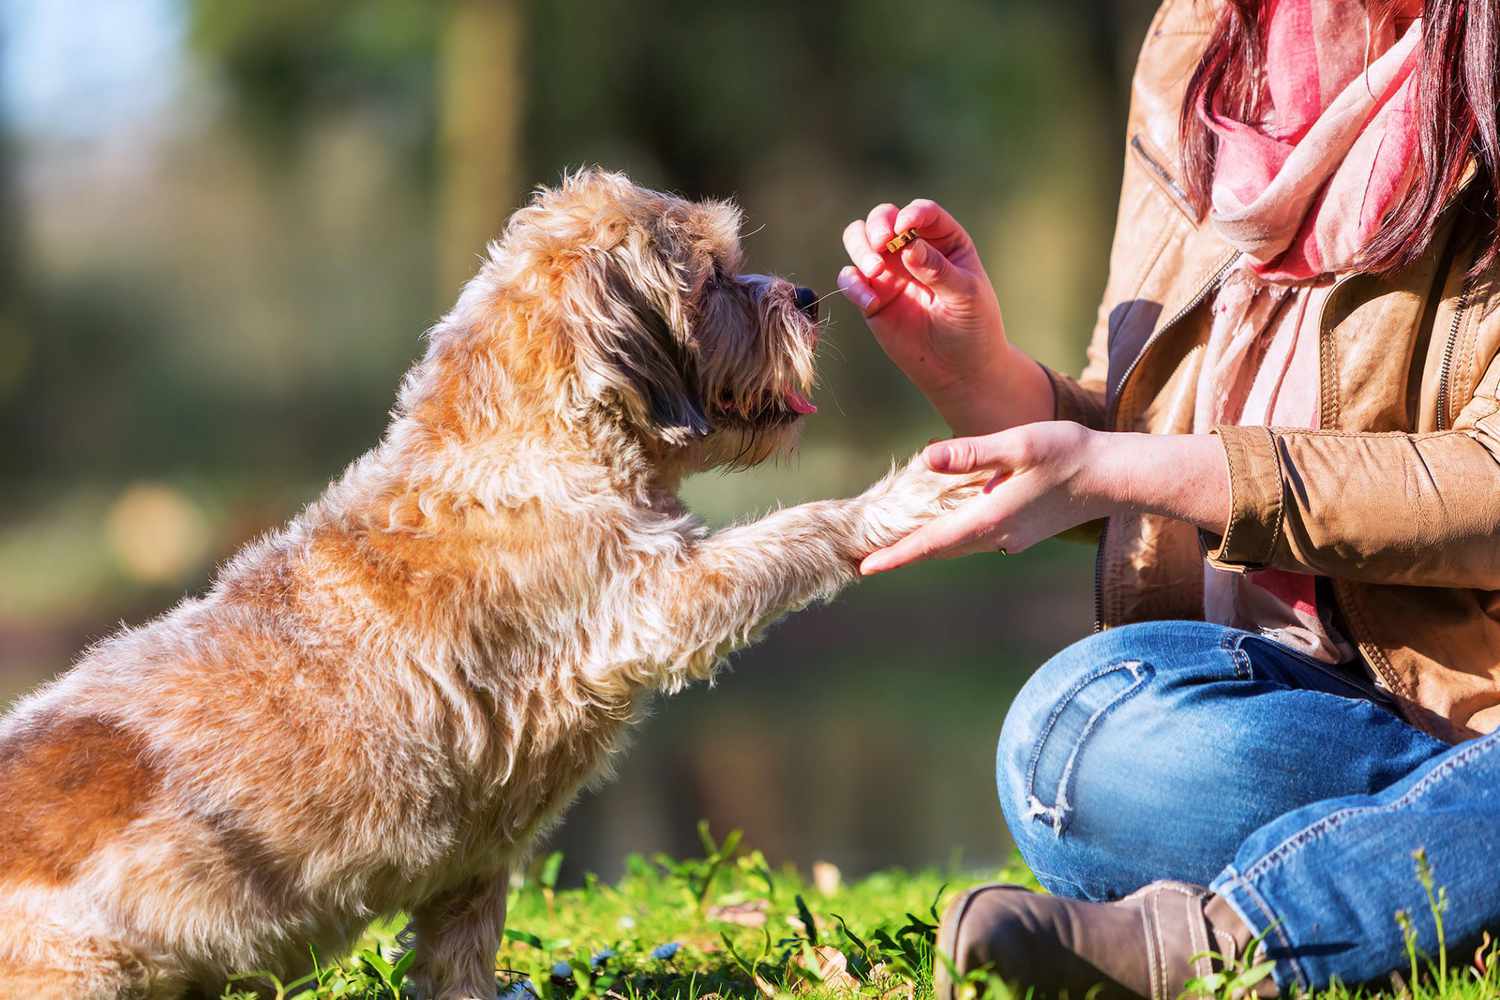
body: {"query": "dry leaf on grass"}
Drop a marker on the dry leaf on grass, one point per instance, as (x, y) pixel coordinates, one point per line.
(832, 967)
(896, 988)
(750, 914)
(827, 878)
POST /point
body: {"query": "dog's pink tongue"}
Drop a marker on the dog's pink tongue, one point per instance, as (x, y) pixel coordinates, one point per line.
(799, 403)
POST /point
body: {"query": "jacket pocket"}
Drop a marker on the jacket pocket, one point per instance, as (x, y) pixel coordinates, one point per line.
(1154, 161)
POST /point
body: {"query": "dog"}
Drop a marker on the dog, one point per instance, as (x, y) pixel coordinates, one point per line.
(383, 706)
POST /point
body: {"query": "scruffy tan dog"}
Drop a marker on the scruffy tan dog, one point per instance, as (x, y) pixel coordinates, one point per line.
(381, 706)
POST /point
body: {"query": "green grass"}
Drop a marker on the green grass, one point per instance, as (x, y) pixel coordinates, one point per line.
(727, 925)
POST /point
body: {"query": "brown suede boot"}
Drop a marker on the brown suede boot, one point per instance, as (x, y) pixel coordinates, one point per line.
(1139, 946)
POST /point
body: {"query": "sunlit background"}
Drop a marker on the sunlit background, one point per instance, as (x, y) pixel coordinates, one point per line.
(224, 225)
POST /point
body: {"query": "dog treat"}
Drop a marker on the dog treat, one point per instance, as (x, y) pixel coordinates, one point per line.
(900, 240)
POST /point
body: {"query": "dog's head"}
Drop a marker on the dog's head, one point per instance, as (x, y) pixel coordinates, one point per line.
(653, 321)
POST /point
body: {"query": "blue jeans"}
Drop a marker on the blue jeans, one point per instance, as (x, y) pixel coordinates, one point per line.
(1183, 750)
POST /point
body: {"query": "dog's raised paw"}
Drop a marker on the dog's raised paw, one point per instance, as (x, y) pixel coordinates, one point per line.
(910, 497)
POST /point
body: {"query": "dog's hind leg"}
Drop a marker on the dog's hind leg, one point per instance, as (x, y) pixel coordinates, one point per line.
(457, 935)
(79, 970)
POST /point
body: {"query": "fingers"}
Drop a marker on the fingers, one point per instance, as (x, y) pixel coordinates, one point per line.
(880, 226)
(923, 265)
(865, 240)
(870, 295)
(1002, 451)
(963, 531)
(857, 246)
(931, 221)
(876, 278)
(932, 268)
(857, 290)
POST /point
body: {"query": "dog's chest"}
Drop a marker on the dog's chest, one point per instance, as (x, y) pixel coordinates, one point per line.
(538, 780)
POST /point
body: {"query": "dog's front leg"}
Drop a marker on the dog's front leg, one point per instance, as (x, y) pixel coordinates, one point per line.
(457, 935)
(737, 581)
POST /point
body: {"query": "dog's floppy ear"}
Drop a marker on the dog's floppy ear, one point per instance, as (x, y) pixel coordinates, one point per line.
(629, 329)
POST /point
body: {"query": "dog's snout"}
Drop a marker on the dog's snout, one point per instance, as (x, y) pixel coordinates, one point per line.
(807, 301)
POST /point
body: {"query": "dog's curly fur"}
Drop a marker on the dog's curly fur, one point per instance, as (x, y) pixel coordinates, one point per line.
(381, 706)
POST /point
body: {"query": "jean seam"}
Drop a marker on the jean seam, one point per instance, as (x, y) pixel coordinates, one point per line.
(1314, 831)
(1233, 644)
(1083, 890)
(1058, 810)
(1274, 926)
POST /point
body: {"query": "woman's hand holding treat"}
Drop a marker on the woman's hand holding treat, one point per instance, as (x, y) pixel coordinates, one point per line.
(934, 312)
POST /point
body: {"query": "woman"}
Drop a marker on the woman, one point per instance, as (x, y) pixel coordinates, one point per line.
(1288, 435)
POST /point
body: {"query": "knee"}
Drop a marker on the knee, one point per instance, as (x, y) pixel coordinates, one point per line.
(1063, 706)
(1077, 734)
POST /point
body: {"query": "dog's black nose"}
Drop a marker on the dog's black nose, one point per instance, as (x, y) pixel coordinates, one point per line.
(807, 301)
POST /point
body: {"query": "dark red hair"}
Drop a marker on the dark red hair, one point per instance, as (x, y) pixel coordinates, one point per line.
(1457, 89)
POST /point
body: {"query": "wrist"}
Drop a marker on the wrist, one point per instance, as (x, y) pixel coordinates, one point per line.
(1181, 476)
(1106, 480)
(1010, 390)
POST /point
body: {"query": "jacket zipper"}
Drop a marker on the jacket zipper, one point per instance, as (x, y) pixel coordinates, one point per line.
(1328, 380)
(1373, 656)
(1445, 370)
(1114, 408)
(1099, 578)
(1164, 176)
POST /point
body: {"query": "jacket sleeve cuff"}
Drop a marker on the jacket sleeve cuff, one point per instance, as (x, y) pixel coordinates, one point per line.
(1074, 401)
(1255, 501)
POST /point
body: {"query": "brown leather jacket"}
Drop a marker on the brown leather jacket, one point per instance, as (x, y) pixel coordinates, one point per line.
(1396, 498)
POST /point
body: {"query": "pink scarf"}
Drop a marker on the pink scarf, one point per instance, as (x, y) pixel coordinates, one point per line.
(1302, 192)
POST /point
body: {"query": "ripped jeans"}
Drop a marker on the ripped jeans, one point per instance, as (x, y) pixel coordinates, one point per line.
(1184, 750)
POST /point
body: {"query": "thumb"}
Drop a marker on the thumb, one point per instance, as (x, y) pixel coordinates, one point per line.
(929, 266)
(963, 455)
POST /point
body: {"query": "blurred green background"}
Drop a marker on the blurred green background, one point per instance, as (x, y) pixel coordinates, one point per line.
(224, 225)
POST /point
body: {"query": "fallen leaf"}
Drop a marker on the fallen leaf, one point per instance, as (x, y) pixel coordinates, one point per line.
(832, 968)
(751, 914)
(766, 988)
(827, 878)
(904, 991)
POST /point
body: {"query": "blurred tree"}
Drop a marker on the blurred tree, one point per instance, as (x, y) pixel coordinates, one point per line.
(456, 66)
(16, 333)
(284, 59)
(481, 103)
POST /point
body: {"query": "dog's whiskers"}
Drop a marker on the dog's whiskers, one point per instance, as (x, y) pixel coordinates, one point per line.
(827, 295)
